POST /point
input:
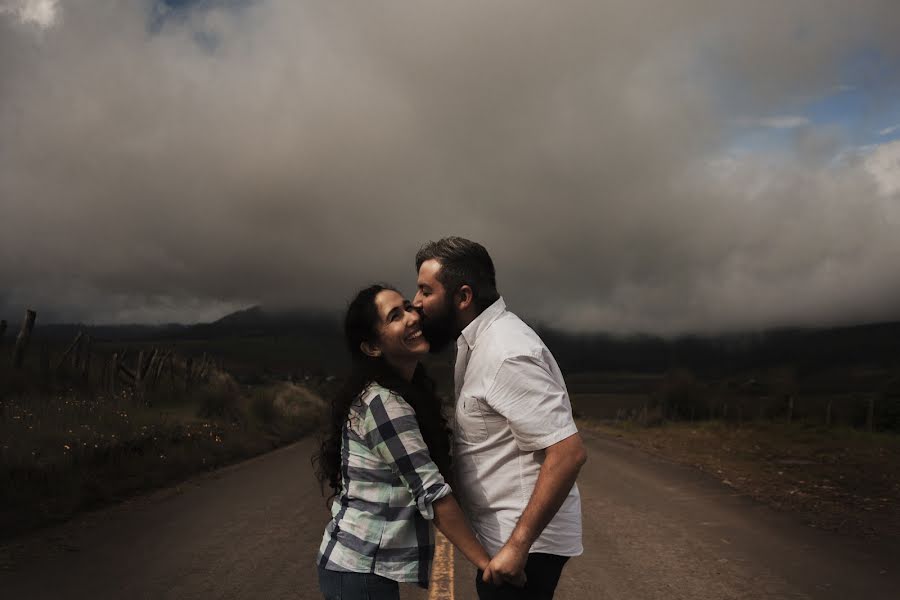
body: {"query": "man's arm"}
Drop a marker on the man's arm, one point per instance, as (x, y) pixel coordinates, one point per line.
(562, 463)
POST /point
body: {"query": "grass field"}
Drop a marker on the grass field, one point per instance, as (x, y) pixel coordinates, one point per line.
(66, 447)
(850, 396)
(836, 478)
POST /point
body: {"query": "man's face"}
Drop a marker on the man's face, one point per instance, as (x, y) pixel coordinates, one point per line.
(435, 304)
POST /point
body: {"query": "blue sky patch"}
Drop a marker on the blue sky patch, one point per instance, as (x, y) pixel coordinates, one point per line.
(863, 109)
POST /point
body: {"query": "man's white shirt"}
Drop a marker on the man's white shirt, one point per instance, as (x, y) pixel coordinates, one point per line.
(511, 404)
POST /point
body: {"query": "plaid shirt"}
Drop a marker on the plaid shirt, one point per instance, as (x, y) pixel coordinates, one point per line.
(388, 483)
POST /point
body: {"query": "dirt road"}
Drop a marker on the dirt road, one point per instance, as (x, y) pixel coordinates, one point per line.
(652, 530)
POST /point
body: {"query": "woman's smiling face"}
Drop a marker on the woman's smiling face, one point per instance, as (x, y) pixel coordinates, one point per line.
(399, 330)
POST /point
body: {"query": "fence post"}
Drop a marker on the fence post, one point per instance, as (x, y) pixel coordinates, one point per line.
(24, 337)
(104, 365)
(139, 378)
(188, 367)
(72, 346)
(870, 414)
(86, 358)
(160, 365)
(76, 355)
(113, 373)
(2, 328)
(790, 413)
(828, 414)
(172, 371)
(149, 365)
(45, 363)
(204, 367)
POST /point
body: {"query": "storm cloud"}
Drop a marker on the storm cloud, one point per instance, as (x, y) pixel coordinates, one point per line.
(172, 163)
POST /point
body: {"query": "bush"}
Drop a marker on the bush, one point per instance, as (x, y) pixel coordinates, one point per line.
(220, 399)
(887, 408)
(653, 417)
(219, 403)
(681, 396)
(263, 407)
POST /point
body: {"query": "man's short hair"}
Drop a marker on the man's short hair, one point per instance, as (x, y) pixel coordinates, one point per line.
(463, 262)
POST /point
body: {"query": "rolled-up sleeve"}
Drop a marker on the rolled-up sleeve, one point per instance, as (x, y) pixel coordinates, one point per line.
(534, 404)
(392, 432)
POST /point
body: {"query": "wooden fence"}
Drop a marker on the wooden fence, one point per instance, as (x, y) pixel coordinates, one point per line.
(118, 372)
(860, 409)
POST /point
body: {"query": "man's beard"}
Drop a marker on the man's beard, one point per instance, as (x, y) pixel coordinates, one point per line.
(440, 329)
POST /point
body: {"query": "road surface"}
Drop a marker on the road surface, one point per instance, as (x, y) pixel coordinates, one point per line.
(653, 530)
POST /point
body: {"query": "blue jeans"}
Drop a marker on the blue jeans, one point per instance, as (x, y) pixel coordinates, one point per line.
(338, 585)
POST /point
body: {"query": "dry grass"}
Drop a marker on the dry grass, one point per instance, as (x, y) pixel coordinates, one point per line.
(838, 479)
(69, 448)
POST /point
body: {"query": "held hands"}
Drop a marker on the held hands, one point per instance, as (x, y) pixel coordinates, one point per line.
(507, 566)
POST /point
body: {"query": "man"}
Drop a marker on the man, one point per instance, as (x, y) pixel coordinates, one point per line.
(517, 451)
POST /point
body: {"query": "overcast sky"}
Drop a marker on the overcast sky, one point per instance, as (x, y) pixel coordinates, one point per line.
(662, 166)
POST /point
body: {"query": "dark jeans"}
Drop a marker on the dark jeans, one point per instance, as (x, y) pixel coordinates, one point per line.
(338, 585)
(542, 572)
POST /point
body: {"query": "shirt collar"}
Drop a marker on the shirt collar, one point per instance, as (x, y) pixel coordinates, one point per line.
(470, 334)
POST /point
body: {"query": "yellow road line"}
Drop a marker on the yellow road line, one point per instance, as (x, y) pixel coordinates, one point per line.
(441, 586)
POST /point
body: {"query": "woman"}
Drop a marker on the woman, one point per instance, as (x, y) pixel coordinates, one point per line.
(386, 459)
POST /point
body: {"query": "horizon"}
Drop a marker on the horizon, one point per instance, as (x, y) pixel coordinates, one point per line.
(335, 316)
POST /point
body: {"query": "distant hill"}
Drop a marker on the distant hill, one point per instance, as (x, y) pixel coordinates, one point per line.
(876, 344)
(256, 321)
(249, 322)
(311, 334)
(250, 340)
(130, 332)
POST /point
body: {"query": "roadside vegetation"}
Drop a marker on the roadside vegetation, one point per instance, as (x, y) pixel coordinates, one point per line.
(823, 445)
(67, 445)
(839, 479)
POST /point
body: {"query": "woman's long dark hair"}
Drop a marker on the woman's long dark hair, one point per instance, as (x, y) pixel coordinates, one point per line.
(360, 326)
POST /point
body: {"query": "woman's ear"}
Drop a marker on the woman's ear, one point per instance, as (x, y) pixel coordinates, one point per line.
(370, 349)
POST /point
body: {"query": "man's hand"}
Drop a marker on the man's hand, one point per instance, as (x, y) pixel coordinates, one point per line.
(507, 566)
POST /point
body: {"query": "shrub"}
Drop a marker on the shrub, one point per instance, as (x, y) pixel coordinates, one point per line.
(887, 408)
(215, 405)
(220, 400)
(681, 396)
(263, 407)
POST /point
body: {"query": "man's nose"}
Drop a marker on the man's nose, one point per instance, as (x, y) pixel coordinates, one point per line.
(417, 301)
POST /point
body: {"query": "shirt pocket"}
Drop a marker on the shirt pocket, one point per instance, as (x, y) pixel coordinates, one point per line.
(470, 419)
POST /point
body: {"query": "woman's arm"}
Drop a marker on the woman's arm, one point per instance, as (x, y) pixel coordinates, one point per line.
(393, 433)
(449, 519)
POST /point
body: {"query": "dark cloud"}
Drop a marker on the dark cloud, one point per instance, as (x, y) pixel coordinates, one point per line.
(159, 169)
